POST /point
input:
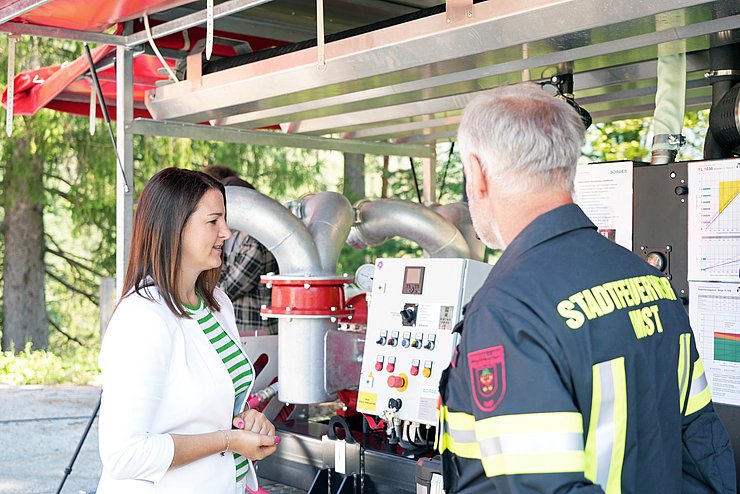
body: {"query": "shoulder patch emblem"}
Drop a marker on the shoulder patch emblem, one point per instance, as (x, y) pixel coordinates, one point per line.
(488, 377)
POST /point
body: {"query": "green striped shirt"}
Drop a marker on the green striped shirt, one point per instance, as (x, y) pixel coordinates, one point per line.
(237, 364)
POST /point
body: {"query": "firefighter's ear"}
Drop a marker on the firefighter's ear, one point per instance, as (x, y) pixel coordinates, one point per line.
(476, 183)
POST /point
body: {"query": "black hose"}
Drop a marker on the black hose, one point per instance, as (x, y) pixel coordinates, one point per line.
(106, 115)
(416, 180)
(68, 470)
(444, 173)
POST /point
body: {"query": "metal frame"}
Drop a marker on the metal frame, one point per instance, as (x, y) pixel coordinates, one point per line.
(194, 19)
(125, 148)
(407, 84)
(21, 7)
(422, 59)
(191, 20)
(269, 138)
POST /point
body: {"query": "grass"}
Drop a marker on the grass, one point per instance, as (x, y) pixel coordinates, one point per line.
(45, 367)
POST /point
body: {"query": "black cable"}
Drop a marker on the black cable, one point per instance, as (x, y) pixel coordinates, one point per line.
(416, 180)
(68, 470)
(444, 174)
(106, 115)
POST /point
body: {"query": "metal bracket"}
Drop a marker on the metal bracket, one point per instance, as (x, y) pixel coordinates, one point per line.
(320, 40)
(458, 10)
(342, 455)
(195, 70)
(658, 257)
(722, 73)
(674, 141)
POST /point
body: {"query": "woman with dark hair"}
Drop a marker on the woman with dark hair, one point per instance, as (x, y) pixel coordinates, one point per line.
(175, 378)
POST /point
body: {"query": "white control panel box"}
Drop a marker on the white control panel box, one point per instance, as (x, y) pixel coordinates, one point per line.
(414, 306)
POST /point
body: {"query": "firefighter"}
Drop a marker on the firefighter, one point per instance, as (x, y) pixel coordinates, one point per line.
(577, 370)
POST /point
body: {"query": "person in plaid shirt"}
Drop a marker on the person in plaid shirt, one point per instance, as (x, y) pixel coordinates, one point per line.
(245, 260)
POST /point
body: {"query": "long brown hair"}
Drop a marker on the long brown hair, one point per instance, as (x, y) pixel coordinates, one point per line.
(165, 205)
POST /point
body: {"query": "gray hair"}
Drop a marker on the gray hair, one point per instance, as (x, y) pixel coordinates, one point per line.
(524, 138)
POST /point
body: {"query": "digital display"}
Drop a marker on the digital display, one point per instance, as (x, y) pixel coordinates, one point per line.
(413, 280)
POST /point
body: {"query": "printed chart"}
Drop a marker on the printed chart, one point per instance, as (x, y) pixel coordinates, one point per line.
(727, 347)
(714, 221)
(715, 319)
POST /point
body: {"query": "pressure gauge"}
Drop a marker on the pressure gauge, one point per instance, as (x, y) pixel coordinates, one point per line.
(364, 277)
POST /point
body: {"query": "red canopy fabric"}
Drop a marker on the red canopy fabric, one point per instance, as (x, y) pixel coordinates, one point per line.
(90, 15)
(63, 87)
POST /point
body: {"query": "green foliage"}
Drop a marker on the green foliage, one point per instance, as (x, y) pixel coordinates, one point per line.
(281, 173)
(631, 139)
(45, 367)
(401, 186)
(617, 141)
(695, 127)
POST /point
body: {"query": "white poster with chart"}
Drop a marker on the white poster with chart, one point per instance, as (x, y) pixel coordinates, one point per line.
(715, 318)
(604, 192)
(714, 221)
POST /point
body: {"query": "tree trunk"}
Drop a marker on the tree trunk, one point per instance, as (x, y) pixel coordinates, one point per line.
(384, 178)
(24, 298)
(354, 177)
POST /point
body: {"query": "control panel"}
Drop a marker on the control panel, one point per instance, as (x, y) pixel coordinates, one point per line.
(414, 305)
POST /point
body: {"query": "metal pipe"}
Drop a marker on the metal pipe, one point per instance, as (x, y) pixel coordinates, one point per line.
(301, 342)
(274, 227)
(302, 360)
(670, 93)
(458, 214)
(379, 220)
(328, 217)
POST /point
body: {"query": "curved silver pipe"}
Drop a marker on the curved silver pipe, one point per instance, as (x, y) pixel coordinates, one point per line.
(328, 217)
(385, 218)
(301, 347)
(458, 214)
(274, 227)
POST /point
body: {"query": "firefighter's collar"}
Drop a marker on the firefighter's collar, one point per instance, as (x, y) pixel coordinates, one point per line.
(546, 226)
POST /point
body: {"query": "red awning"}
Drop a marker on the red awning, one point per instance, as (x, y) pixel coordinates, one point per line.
(65, 87)
(90, 15)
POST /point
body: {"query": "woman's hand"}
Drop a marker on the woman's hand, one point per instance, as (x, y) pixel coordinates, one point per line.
(254, 421)
(252, 445)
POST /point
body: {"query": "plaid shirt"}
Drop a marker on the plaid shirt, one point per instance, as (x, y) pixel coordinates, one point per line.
(240, 279)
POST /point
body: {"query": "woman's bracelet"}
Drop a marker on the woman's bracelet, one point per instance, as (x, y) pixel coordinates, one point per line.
(228, 443)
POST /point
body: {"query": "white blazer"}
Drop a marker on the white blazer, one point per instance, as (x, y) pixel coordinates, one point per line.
(162, 376)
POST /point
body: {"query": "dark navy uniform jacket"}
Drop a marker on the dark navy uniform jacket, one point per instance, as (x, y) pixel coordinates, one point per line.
(577, 371)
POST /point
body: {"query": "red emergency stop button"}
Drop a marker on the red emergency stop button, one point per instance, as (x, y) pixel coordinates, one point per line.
(396, 382)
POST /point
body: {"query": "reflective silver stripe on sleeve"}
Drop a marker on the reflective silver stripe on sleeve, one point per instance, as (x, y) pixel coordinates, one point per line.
(605, 425)
(462, 436)
(522, 444)
(698, 385)
(685, 351)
